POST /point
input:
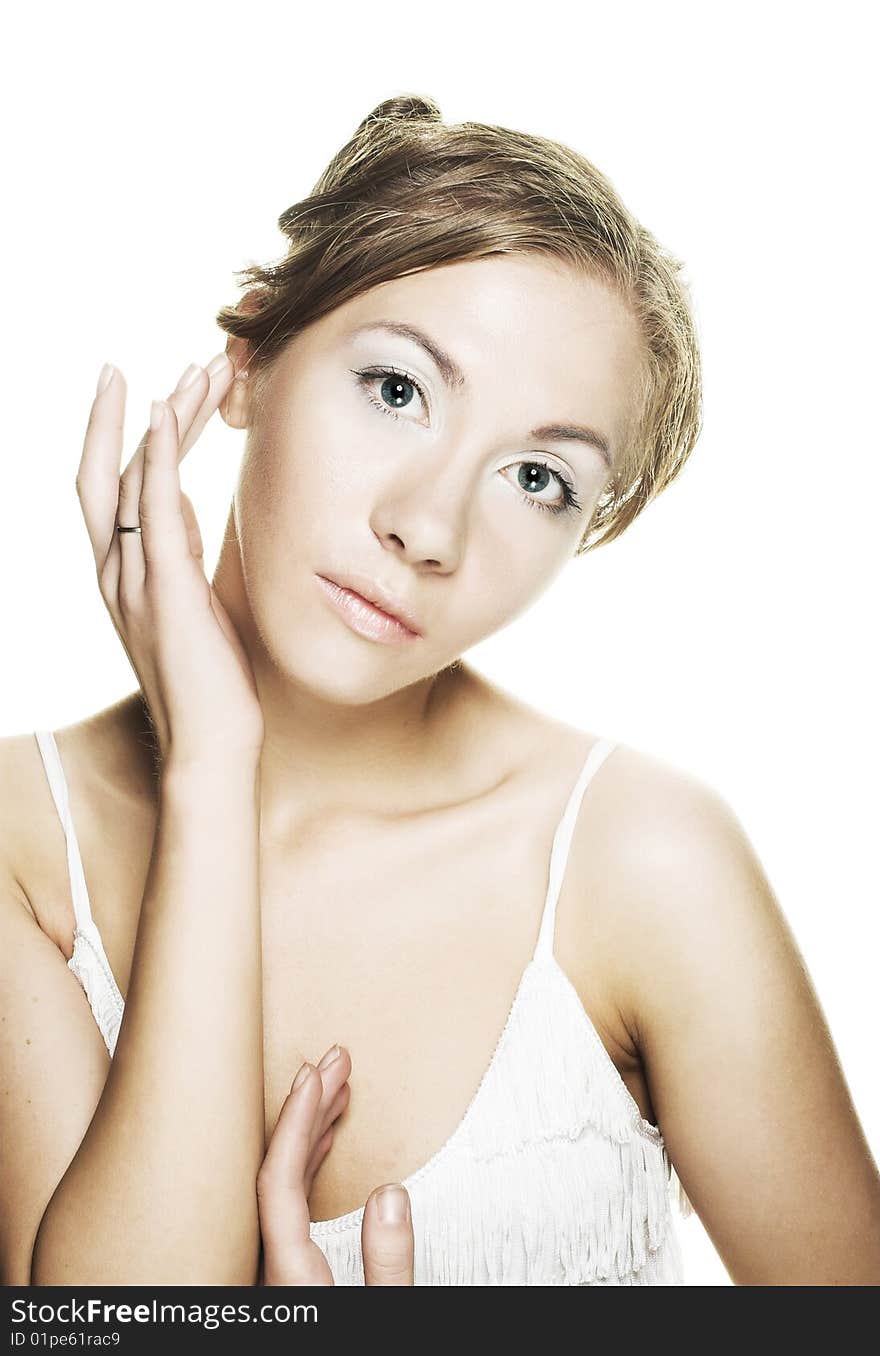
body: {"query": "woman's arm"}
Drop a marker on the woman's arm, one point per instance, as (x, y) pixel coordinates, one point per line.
(53, 1061)
(747, 1087)
(161, 1189)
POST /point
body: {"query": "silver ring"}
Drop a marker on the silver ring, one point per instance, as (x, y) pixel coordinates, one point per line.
(127, 529)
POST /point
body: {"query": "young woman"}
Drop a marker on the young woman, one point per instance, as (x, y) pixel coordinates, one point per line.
(551, 964)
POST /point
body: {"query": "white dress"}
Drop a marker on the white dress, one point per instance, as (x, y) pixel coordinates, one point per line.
(551, 1177)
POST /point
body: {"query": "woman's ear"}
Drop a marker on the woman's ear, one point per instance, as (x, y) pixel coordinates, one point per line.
(235, 404)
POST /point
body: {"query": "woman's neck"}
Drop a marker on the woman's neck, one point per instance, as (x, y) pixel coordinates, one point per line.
(416, 747)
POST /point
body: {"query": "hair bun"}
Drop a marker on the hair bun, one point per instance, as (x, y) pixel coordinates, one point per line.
(404, 108)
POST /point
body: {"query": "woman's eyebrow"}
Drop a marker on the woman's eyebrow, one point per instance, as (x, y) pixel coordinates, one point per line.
(453, 376)
(448, 367)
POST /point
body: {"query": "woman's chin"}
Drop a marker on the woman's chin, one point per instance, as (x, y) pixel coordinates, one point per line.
(345, 670)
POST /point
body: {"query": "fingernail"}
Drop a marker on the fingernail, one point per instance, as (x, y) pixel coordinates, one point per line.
(188, 377)
(217, 364)
(157, 414)
(105, 377)
(332, 1054)
(303, 1074)
(392, 1204)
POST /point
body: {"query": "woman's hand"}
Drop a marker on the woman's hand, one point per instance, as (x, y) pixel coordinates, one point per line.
(298, 1146)
(193, 670)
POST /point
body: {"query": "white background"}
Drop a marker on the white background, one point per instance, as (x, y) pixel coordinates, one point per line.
(148, 154)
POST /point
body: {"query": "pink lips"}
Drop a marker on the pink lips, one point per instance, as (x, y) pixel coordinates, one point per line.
(364, 617)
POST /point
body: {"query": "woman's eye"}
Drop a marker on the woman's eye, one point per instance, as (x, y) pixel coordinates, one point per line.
(389, 390)
(534, 477)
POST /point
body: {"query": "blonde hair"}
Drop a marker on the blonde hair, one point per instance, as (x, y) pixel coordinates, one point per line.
(408, 192)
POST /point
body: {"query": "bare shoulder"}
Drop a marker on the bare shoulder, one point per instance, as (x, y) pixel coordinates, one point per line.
(730, 1035)
(662, 884)
(107, 774)
(669, 862)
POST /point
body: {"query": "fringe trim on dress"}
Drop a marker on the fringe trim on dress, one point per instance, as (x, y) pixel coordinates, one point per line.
(89, 963)
(552, 1177)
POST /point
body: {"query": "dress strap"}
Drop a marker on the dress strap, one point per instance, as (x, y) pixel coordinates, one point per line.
(599, 751)
(82, 909)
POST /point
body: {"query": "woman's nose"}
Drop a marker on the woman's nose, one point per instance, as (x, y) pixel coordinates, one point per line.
(427, 522)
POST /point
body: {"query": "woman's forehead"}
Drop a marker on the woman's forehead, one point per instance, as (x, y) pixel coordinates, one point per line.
(517, 327)
(504, 296)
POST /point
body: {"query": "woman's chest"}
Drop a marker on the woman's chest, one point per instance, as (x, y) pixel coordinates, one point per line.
(410, 957)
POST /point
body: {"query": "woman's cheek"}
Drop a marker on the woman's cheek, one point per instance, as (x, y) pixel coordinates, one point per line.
(494, 599)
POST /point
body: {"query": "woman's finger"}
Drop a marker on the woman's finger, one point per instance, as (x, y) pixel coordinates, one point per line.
(198, 393)
(193, 531)
(335, 1069)
(290, 1256)
(319, 1153)
(163, 530)
(185, 400)
(327, 1119)
(97, 478)
(284, 1210)
(99, 483)
(110, 498)
(387, 1240)
(220, 372)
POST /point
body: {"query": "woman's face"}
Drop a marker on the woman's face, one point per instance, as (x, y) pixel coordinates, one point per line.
(431, 470)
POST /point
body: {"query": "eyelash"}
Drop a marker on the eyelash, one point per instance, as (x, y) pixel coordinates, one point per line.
(570, 502)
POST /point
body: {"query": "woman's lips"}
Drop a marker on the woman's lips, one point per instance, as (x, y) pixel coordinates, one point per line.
(364, 618)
